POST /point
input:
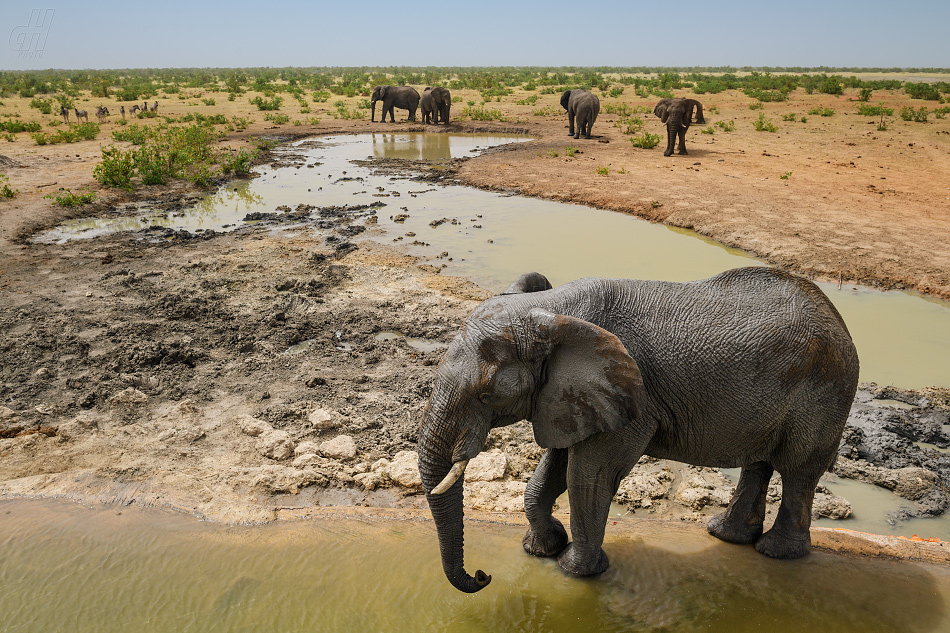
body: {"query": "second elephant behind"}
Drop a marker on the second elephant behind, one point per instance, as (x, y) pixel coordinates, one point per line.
(436, 103)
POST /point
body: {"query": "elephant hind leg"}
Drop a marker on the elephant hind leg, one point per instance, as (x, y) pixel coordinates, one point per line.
(789, 536)
(742, 521)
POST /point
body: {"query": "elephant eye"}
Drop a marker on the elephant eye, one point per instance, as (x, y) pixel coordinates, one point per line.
(485, 397)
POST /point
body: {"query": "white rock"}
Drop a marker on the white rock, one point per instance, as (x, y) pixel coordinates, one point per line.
(306, 448)
(404, 469)
(252, 426)
(488, 466)
(275, 444)
(340, 447)
(6, 412)
(323, 419)
(307, 460)
(369, 481)
(380, 465)
(128, 397)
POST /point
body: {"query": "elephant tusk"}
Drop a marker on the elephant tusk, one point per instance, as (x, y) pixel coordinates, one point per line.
(457, 469)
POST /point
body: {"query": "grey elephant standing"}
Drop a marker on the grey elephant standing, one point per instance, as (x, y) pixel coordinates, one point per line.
(436, 104)
(677, 114)
(752, 368)
(582, 108)
(402, 97)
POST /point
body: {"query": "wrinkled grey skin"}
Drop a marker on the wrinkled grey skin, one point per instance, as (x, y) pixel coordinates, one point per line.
(436, 104)
(677, 114)
(752, 368)
(402, 97)
(582, 105)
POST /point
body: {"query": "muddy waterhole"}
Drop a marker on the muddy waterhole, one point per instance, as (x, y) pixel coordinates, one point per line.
(65, 567)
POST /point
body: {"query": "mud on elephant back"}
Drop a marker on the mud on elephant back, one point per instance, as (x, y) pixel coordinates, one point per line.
(677, 114)
(752, 368)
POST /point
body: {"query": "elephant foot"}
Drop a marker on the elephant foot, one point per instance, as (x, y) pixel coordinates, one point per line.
(668, 153)
(571, 133)
(546, 544)
(683, 152)
(577, 563)
(776, 545)
(723, 530)
(577, 136)
(587, 137)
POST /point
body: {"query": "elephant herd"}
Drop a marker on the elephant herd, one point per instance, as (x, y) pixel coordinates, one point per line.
(436, 103)
(582, 108)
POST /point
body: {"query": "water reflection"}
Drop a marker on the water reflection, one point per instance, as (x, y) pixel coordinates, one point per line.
(66, 567)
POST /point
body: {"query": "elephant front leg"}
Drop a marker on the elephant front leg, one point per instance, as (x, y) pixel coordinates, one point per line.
(682, 135)
(742, 521)
(546, 536)
(596, 467)
(570, 124)
(670, 141)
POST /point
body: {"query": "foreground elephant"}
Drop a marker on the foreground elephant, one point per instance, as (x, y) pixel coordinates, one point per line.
(752, 368)
(402, 97)
(677, 114)
(436, 104)
(582, 105)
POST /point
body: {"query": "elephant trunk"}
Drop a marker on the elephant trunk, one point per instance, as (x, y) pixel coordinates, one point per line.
(436, 469)
(372, 111)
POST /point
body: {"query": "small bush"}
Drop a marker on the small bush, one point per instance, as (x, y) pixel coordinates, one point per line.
(5, 190)
(238, 163)
(756, 106)
(116, 168)
(786, 175)
(764, 125)
(321, 96)
(726, 126)
(43, 105)
(570, 150)
(865, 94)
(601, 171)
(208, 101)
(267, 104)
(878, 110)
(645, 140)
(482, 114)
(822, 111)
(240, 123)
(708, 130)
(66, 198)
(530, 100)
(910, 114)
(134, 133)
(789, 117)
(277, 119)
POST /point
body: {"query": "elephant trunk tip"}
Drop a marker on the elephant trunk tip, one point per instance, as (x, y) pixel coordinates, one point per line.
(472, 584)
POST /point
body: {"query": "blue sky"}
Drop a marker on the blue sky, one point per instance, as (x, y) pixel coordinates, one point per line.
(171, 33)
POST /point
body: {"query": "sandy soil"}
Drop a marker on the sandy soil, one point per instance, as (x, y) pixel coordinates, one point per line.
(155, 371)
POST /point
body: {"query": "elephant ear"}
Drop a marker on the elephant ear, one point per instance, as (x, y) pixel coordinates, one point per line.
(662, 109)
(589, 381)
(692, 103)
(566, 98)
(528, 282)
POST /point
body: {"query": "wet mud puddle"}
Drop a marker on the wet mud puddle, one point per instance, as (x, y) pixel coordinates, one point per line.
(71, 568)
(491, 238)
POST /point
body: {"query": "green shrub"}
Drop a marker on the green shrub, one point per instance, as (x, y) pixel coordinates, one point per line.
(134, 133)
(708, 130)
(645, 140)
(570, 150)
(238, 163)
(789, 117)
(726, 126)
(13, 127)
(530, 100)
(276, 118)
(43, 105)
(764, 125)
(116, 168)
(831, 86)
(866, 94)
(267, 104)
(209, 101)
(66, 198)
(5, 190)
(767, 95)
(601, 171)
(321, 96)
(922, 91)
(786, 175)
(756, 106)
(482, 114)
(910, 114)
(878, 110)
(822, 111)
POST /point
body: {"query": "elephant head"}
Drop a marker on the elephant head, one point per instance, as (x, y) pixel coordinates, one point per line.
(677, 114)
(515, 361)
(379, 94)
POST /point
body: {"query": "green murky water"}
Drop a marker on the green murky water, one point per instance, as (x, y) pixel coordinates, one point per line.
(64, 567)
(902, 339)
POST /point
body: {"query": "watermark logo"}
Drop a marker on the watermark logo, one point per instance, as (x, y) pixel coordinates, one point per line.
(28, 41)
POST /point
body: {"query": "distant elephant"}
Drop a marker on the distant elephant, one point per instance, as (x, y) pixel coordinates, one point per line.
(402, 97)
(436, 104)
(582, 105)
(752, 368)
(677, 114)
